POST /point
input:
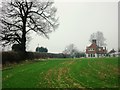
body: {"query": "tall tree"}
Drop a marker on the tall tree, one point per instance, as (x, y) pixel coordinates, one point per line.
(99, 37)
(19, 17)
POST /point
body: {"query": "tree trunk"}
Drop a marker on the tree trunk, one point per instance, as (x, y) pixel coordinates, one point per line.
(23, 43)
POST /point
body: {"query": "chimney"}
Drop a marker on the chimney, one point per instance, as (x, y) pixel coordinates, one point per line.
(94, 41)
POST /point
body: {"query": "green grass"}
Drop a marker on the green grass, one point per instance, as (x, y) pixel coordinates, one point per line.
(63, 73)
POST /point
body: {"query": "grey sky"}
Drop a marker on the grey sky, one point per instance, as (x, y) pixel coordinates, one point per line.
(78, 20)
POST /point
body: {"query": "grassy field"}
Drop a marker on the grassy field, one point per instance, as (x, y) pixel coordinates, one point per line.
(63, 73)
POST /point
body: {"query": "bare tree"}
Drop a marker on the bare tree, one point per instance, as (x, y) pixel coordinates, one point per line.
(71, 50)
(19, 17)
(99, 37)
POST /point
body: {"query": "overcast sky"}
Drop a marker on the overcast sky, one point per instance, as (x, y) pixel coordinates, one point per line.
(78, 20)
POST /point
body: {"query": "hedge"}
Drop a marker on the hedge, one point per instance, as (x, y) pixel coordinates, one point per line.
(16, 57)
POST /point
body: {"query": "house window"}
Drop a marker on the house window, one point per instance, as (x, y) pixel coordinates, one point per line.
(93, 55)
(91, 49)
(88, 55)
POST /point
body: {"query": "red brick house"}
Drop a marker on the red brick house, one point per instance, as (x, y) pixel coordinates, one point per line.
(94, 51)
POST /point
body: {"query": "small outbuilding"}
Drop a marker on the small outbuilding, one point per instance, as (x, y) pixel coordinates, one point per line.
(113, 53)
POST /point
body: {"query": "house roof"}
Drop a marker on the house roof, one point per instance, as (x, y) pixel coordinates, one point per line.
(96, 49)
(92, 45)
(112, 51)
